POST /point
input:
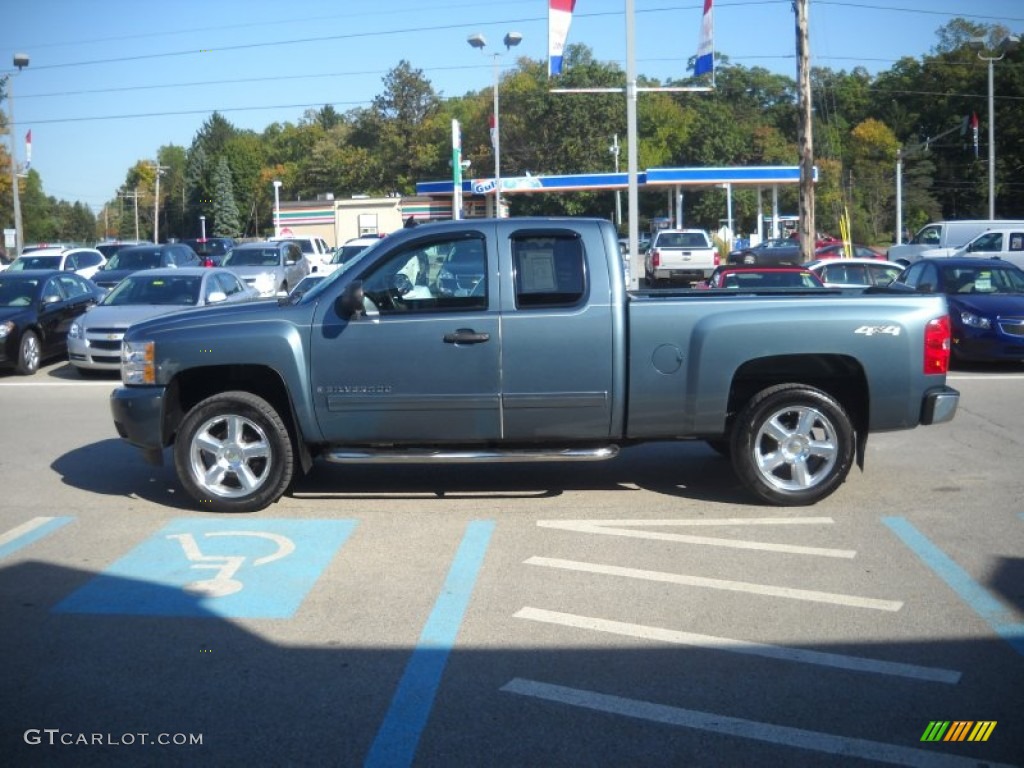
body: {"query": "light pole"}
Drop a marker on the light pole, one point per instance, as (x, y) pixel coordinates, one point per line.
(1007, 43)
(20, 61)
(479, 41)
(277, 208)
(202, 227)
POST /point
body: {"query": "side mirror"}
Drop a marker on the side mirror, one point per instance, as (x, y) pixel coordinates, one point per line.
(216, 297)
(350, 304)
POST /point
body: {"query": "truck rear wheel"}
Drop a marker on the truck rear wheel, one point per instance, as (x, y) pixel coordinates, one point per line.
(233, 453)
(793, 445)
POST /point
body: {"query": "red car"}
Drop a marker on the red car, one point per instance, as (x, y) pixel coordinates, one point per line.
(838, 251)
(756, 278)
(822, 240)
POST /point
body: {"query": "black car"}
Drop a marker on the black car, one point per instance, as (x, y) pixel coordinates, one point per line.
(37, 308)
(768, 253)
(211, 250)
(110, 247)
(138, 257)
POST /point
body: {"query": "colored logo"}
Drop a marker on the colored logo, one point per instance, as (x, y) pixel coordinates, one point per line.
(958, 730)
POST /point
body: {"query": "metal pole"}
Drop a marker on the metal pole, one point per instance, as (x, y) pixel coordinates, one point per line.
(15, 199)
(614, 149)
(899, 195)
(277, 209)
(135, 197)
(636, 266)
(202, 227)
(497, 143)
(991, 144)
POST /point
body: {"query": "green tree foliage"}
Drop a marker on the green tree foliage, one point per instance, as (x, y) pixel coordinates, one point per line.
(225, 212)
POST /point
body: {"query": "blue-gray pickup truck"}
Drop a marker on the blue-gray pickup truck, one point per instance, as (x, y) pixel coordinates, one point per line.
(516, 340)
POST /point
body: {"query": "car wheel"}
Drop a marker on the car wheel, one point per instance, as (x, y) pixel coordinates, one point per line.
(792, 445)
(233, 453)
(29, 354)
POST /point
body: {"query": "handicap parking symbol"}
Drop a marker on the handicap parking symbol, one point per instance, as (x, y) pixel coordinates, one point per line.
(206, 567)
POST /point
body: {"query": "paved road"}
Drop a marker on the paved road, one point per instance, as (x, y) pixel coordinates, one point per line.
(638, 612)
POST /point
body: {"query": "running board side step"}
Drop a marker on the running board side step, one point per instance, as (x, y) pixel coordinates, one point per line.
(441, 455)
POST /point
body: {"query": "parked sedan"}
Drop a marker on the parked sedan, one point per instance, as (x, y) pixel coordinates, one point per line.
(768, 252)
(271, 267)
(986, 303)
(138, 257)
(855, 273)
(759, 278)
(37, 307)
(94, 339)
(82, 261)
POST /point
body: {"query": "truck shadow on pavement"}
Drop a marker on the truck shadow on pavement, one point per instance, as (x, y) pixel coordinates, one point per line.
(688, 470)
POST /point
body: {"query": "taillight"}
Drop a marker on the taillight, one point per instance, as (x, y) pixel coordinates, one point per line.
(655, 258)
(718, 258)
(936, 345)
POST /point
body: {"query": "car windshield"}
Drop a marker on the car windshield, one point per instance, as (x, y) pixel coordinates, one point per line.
(982, 280)
(346, 253)
(135, 258)
(252, 257)
(17, 293)
(35, 262)
(179, 290)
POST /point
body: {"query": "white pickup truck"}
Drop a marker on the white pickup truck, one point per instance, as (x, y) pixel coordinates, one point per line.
(680, 256)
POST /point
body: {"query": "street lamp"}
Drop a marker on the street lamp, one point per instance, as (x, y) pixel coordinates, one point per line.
(277, 208)
(479, 41)
(202, 227)
(20, 61)
(1006, 44)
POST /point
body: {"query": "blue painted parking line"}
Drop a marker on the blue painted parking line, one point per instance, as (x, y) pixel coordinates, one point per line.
(30, 532)
(997, 615)
(395, 744)
(216, 567)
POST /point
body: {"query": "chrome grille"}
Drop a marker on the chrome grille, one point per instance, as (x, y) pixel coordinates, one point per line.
(1012, 326)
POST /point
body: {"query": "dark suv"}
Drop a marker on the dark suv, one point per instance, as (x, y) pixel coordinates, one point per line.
(211, 250)
(138, 257)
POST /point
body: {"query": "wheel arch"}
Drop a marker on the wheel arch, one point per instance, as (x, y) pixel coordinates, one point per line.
(840, 376)
(194, 385)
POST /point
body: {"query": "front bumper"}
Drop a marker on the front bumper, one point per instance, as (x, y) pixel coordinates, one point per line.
(939, 405)
(138, 418)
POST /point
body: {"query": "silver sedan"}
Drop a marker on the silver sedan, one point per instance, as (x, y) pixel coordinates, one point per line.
(94, 340)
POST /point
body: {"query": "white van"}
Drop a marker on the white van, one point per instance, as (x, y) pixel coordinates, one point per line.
(1006, 243)
(941, 238)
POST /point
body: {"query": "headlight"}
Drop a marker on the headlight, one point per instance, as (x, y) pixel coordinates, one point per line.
(265, 282)
(975, 321)
(138, 364)
(75, 331)
(6, 328)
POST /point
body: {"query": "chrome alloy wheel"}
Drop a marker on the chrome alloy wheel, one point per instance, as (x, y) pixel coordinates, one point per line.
(796, 448)
(230, 456)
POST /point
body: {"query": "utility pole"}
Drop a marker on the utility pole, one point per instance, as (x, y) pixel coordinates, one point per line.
(805, 134)
(134, 196)
(156, 201)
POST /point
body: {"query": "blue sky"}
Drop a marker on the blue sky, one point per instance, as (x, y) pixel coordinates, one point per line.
(111, 81)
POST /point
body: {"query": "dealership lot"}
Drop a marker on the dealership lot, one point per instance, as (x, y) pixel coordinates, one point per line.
(641, 611)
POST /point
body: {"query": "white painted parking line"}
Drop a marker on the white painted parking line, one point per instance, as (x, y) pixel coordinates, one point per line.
(626, 528)
(27, 533)
(798, 738)
(732, 645)
(851, 601)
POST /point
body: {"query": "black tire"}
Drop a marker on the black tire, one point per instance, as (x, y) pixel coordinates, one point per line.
(29, 354)
(792, 445)
(233, 453)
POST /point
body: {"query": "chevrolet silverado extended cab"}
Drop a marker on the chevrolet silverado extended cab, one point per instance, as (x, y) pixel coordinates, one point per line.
(516, 340)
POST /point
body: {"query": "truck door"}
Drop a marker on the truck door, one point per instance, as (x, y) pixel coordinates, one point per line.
(423, 364)
(558, 345)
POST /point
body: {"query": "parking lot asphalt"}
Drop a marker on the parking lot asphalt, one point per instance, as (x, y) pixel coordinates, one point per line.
(643, 611)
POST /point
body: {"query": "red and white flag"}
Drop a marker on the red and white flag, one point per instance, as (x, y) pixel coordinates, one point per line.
(706, 45)
(559, 19)
(28, 149)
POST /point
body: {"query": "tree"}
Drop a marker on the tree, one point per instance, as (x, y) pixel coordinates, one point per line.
(225, 212)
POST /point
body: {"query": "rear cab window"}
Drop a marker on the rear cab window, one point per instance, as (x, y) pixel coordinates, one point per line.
(550, 270)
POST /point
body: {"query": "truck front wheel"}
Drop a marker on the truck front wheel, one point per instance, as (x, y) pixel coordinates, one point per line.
(233, 453)
(792, 445)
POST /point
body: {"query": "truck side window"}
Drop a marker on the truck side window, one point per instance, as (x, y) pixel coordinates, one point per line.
(442, 275)
(549, 270)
